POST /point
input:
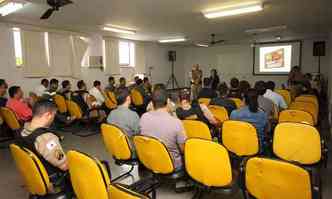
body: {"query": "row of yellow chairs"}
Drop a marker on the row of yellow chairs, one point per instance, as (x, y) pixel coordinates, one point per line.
(206, 101)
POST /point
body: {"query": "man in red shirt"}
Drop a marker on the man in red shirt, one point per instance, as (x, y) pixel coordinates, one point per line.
(17, 104)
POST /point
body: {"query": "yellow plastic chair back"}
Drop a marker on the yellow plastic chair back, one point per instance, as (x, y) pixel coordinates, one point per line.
(308, 107)
(153, 154)
(220, 113)
(196, 129)
(10, 118)
(240, 138)
(208, 163)
(60, 103)
(116, 191)
(238, 102)
(309, 99)
(285, 94)
(34, 174)
(273, 179)
(137, 98)
(88, 176)
(116, 142)
(297, 142)
(110, 101)
(296, 116)
(74, 110)
(205, 101)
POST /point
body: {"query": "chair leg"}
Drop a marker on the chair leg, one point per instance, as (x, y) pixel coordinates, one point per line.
(125, 174)
(198, 194)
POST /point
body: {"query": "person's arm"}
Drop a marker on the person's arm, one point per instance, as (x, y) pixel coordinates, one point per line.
(135, 124)
(181, 136)
(207, 113)
(282, 104)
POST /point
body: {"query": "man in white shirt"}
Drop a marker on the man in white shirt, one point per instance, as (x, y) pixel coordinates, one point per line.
(275, 97)
(41, 89)
(96, 91)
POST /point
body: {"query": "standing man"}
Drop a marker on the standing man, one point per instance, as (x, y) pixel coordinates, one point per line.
(196, 80)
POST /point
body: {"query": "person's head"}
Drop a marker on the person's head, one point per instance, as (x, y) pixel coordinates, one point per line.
(66, 85)
(81, 85)
(235, 82)
(123, 98)
(15, 92)
(136, 78)
(296, 69)
(184, 96)
(97, 84)
(146, 80)
(223, 90)
(251, 100)
(44, 112)
(159, 86)
(270, 85)
(111, 80)
(196, 67)
(138, 82)
(244, 86)
(214, 72)
(54, 84)
(308, 76)
(260, 87)
(3, 87)
(159, 99)
(206, 82)
(122, 82)
(45, 82)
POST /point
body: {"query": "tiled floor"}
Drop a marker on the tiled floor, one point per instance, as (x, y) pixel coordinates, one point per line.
(11, 186)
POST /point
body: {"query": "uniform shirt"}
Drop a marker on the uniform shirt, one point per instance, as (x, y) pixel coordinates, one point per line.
(98, 95)
(40, 90)
(20, 108)
(167, 129)
(276, 98)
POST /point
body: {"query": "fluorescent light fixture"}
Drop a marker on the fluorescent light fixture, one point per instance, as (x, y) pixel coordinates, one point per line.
(264, 30)
(172, 40)
(233, 10)
(202, 45)
(118, 29)
(10, 7)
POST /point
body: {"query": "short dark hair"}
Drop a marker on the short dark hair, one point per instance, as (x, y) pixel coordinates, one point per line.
(260, 87)
(251, 99)
(122, 79)
(122, 96)
(54, 81)
(111, 78)
(146, 79)
(159, 98)
(44, 81)
(235, 82)
(159, 86)
(139, 82)
(184, 95)
(43, 106)
(65, 83)
(206, 81)
(96, 83)
(244, 86)
(80, 84)
(13, 90)
(3, 82)
(270, 85)
(223, 89)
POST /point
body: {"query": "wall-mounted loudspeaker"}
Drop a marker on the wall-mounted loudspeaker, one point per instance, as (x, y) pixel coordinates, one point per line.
(319, 48)
(172, 55)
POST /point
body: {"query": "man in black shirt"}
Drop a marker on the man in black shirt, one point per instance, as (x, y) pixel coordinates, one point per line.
(3, 90)
(207, 91)
(222, 100)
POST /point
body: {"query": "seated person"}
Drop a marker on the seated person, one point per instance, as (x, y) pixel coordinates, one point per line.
(65, 90)
(234, 91)
(19, 105)
(141, 89)
(194, 111)
(251, 113)
(264, 103)
(123, 117)
(276, 98)
(147, 85)
(207, 91)
(42, 88)
(3, 91)
(111, 85)
(222, 100)
(161, 125)
(97, 92)
(244, 86)
(122, 85)
(44, 143)
(52, 90)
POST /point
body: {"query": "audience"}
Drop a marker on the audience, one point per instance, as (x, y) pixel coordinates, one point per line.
(222, 100)
(234, 91)
(122, 85)
(19, 105)
(147, 85)
(123, 117)
(264, 103)
(251, 113)
(194, 111)
(207, 91)
(97, 93)
(81, 97)
(214, 77)
(244, 86)
(65, 90)
(161, 125)
(111, 85)
(141, 89)
(277, 99)
(42, 88)
(52, 90)
(3, 91)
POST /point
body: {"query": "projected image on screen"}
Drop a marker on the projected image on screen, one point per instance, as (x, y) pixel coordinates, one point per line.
(275, 59)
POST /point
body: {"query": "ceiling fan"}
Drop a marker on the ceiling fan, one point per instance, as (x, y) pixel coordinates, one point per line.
(212, 42)
(55, 6)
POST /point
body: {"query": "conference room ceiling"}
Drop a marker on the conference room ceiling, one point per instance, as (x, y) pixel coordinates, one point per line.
(158, 19)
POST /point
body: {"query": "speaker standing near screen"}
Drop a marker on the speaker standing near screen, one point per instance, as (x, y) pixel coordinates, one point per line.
(319, 51)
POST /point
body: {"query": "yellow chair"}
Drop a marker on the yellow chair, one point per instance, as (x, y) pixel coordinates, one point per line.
(238, 102)
(205, 101)
(118, 144)
(110, 101)
(196, 129)
(274, 179)
(137, 98)
(296, 116)
(309, 99)
(220, 113)
(34, 174)
(90, 179)
(208, 164)
(60, 103)
(308, 107)
(240, 138)
(285, 94)
(10, 119)
(297, 142)
(74, 109)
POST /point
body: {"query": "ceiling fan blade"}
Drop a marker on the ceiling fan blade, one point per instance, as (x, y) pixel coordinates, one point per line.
(47, 14)
(65, 2)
